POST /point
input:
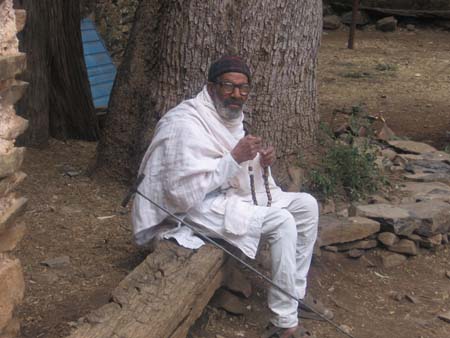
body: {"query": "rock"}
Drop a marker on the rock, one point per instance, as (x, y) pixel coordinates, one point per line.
(11, 161)
(361, 18)
(388, 24)
(328, 206)
(11, 288)
(404, 246)
(331, 248)
(444, 238)
(410, 28)
(340, 230)
(236, 281)
(386, 133)
(21, 17)
(10, 208)
(388, 238)
(425, 177)
(416, 238)
(431, 242)
(374, 199)
(11, 236)
(11, 65)
(359, 245)
(229, 302)
(423, 166)
(388, 153)
(448, 274)
(411, 147)
(445, 316)
(434, 156)
(57, 262)
(12, 93)
(392, 218)
(391, 260)
(412, 299)
(331, 22)
(9, 183)
(433, 217)
(416, 191)
(355, 253)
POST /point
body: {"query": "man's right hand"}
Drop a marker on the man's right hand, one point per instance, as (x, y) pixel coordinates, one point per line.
(247, 148)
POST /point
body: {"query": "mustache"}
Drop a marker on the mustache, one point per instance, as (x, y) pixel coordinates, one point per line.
(229, 101)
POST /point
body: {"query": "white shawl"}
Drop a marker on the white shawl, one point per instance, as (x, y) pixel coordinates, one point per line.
(186, 160)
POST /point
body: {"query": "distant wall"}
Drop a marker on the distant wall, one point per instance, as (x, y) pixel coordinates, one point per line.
(11, 229)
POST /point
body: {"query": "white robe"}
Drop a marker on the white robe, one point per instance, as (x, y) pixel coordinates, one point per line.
(189, 170)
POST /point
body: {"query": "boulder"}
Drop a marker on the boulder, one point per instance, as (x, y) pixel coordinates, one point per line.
(331, 22)
(342, 230)
(411, 146)
(388, 238)
(390, 260)
(392, 218)
(355, 253)
(388, 24)
(433, 216)
(432, 242)
(404, 246)
(10, 208)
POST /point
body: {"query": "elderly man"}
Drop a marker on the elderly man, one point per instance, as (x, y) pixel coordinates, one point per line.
(198, 165)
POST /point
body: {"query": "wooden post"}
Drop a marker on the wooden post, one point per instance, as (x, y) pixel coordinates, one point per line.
(351, 37)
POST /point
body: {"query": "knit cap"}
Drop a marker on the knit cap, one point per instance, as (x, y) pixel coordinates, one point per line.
(227, 64)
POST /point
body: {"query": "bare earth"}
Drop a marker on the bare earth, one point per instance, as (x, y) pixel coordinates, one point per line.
(72, 215)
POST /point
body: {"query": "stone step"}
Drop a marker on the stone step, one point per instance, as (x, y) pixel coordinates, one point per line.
(11, 65)
(342, 230)
(411, 146)
(434, 217)
(12, 91)
(10, 162)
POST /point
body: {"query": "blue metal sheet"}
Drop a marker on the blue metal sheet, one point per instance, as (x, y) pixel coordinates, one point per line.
(100, 68)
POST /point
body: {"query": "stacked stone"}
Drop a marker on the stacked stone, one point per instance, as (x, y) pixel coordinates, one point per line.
(413, 217)
(11, 231)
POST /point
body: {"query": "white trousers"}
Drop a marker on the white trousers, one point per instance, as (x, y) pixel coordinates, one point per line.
(291, 233)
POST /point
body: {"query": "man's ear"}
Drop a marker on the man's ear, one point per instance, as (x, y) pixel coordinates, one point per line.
(210, 88)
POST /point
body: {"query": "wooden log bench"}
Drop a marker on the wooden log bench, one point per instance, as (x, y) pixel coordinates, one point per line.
(161, 298)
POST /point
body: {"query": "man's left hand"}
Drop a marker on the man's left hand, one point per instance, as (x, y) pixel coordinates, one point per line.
(267, 156)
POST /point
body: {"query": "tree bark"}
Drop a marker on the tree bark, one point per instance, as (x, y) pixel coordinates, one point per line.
(58, 101)
(171, 47)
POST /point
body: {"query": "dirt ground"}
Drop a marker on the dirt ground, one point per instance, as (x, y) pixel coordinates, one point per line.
(405, 76)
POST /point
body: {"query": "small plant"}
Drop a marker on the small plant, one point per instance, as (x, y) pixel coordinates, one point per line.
(356, 74)
(349, 167)
(386, 67)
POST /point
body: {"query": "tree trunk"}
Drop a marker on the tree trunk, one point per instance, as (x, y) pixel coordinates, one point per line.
(58, 101)
(171, 47)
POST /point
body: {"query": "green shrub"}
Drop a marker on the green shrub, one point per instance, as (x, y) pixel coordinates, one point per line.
(348, 167)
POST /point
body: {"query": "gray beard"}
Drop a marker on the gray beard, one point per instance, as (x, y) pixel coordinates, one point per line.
(227, 113)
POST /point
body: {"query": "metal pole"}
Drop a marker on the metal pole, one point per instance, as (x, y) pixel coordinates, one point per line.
(134, 190)
(351, 37)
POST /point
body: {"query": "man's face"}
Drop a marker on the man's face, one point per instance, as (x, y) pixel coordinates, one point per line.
(229, 93)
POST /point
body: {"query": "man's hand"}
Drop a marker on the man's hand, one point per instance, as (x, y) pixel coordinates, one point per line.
(247, 148)
(267, 156)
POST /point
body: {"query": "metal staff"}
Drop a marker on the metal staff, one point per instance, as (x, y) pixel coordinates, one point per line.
(134, 189)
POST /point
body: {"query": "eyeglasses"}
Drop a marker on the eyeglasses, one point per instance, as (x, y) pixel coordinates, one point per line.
(228, 87)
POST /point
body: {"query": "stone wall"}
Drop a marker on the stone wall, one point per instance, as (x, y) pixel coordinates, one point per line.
(11, 230)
